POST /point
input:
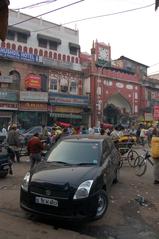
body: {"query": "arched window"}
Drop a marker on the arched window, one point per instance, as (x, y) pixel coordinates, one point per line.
(59, 57)
(72, 59)
(45, 53)
(50, 54)
(19, 48)
(13, 46)
(77, 60)
(25, 49)
(55, 55)
(40, 52)
(68, 58)
(35, 51)
(16, 79)
(8, 45)
(31, 50)
(64, 57)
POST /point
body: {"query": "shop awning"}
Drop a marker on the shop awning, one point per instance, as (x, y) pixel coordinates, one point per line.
(74, 45)
(49, 38)
(66, 116)
(20, 30)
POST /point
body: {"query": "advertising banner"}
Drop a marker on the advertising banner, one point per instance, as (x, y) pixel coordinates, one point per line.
(9, 53)
(33, 81)
(156, 112)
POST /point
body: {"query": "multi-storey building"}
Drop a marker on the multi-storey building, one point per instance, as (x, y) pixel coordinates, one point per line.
(41, 78)
(116, 87)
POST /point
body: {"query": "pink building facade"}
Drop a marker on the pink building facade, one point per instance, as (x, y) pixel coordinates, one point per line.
(116, 90)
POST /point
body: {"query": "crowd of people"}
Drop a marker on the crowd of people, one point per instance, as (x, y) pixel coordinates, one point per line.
(40, 142)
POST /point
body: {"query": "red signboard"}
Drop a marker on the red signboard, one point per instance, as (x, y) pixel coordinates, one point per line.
(33, 82)
(156, 112)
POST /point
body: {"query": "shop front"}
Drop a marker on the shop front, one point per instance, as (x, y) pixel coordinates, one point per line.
(32, 108)
(66, 108)
(8, 107)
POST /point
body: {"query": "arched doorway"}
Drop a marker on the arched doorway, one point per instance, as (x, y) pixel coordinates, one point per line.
(111, 114)
(16, 79)
(116, 110)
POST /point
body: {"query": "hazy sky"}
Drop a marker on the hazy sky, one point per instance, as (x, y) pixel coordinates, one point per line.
(133, 34)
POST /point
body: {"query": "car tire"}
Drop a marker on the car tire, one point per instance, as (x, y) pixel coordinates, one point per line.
(102, 204)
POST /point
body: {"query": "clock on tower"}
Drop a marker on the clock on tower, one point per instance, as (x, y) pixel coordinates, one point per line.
(103, 54)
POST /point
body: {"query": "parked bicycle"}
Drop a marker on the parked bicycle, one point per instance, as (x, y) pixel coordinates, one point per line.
(128, 153)
(141, 161)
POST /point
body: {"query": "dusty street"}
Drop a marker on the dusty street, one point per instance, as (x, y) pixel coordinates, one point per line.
(125, 218)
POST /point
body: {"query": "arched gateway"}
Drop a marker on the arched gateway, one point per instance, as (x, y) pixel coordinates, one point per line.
(117, 110)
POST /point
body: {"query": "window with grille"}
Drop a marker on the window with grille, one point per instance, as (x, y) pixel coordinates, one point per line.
(53, 84)
(22, 37)
(42, 43)
(52, 45)
(73, 87)
(73, 51)
(11, 35)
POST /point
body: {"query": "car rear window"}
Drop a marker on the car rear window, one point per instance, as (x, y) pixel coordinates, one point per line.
(75, 153)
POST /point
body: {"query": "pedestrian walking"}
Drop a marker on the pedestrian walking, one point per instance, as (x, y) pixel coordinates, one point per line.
(13, 141)
(155, 156)
(34, 148)
(4, 131)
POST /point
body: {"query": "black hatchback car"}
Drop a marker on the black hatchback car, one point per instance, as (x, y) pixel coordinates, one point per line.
(74, 181)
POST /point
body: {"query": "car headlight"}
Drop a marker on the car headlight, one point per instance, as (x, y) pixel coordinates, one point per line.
(83, 190)
(26, 181)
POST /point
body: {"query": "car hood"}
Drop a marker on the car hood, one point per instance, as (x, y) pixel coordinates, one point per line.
(64, 174)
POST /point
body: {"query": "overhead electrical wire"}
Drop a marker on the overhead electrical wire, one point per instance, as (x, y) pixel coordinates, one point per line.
(98, 16)
(46, 13)
(35, 5)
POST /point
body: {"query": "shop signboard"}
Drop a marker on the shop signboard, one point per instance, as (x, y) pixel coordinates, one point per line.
(72, 100)
(148, 117)
(6, 79)
(23, 56)
(33, 82)
(156, 112)
(32, 106)
(8, 95)
(8, 106)
(67, 116)
(33, 96)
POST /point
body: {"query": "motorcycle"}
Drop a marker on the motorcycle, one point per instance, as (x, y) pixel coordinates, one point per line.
(5, 162)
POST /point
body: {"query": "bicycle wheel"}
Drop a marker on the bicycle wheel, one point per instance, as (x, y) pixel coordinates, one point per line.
(132, 155)
(141, 166)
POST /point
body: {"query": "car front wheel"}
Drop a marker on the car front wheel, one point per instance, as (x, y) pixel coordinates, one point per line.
(102, 204)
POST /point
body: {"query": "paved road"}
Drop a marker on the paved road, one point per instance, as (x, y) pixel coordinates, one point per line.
(125, 218)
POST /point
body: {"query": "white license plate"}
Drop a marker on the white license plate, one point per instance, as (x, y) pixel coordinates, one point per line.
(6, 167)
(46, 201)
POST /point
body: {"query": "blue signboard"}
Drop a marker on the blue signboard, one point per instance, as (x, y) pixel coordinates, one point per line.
(8, 96)
(17, 55)
(73, 100)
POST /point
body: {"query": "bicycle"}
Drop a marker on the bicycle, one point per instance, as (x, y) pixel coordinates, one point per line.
(140, 163)
(127, 153)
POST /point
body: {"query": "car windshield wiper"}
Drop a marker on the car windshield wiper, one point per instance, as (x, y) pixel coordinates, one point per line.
(60, 162)
(81, 164)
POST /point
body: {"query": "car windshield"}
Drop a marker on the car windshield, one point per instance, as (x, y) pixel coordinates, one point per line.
(75, 153)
